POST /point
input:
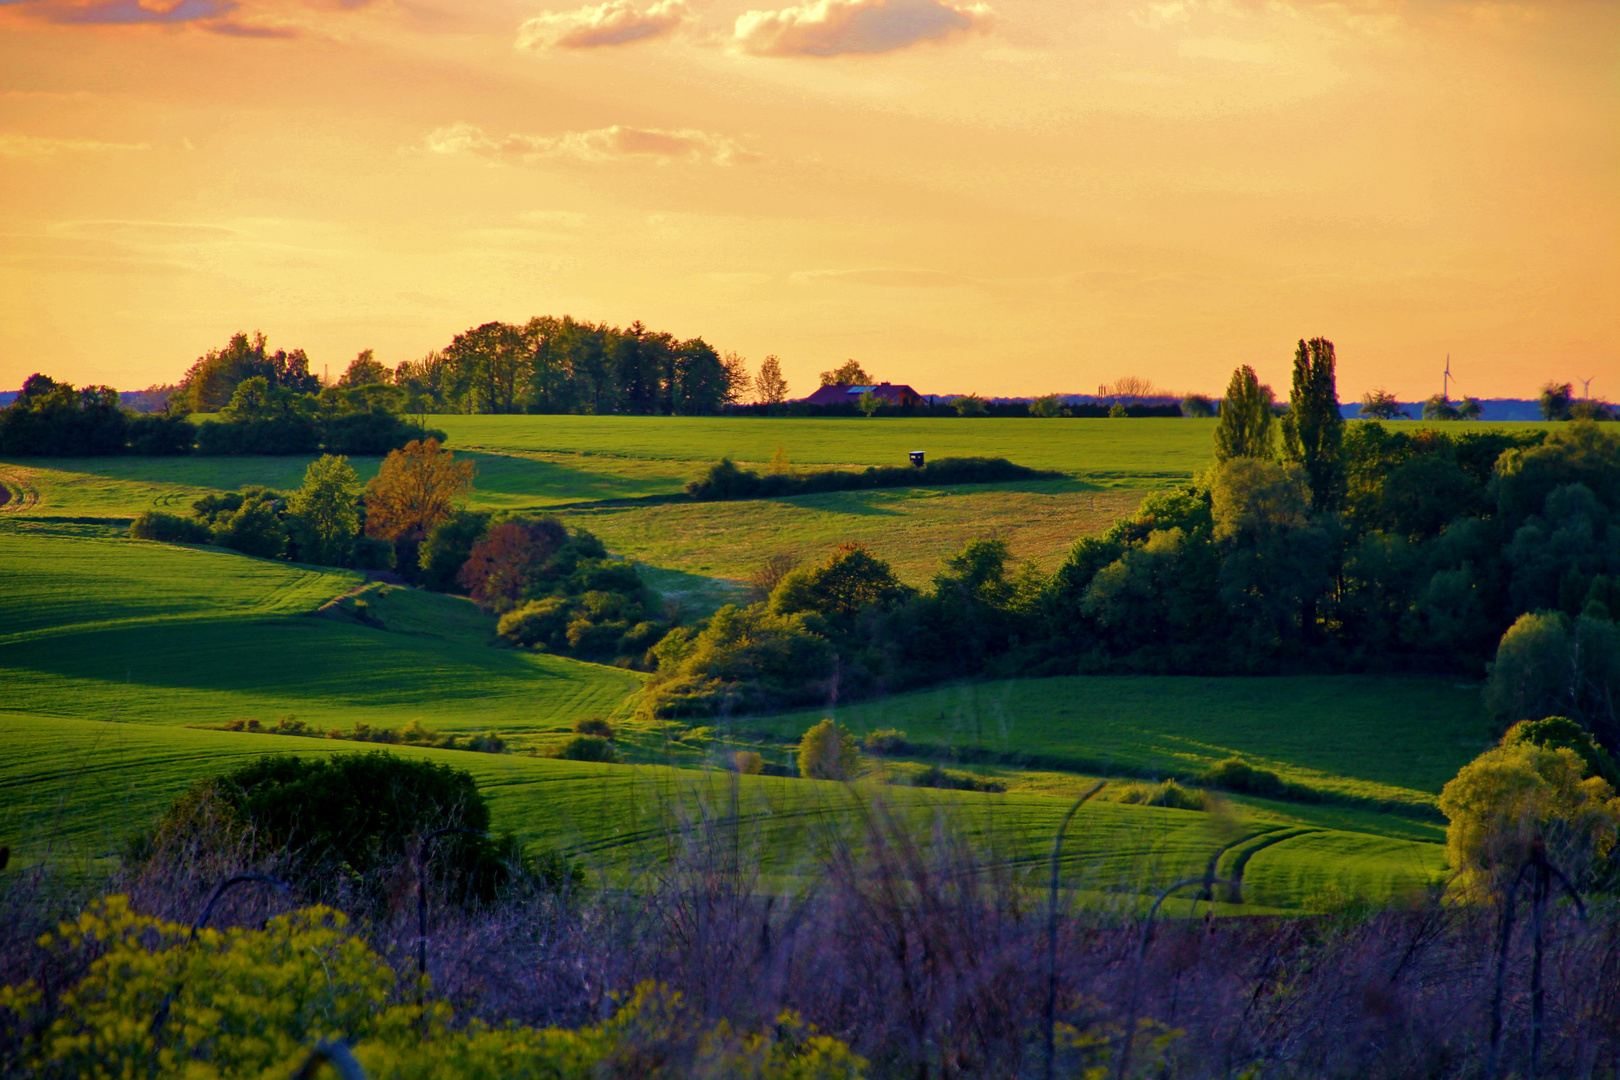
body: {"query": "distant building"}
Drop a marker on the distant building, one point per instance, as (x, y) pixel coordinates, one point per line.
(842, 394)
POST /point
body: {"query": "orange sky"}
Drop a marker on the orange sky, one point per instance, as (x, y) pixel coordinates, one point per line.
(1010, 197)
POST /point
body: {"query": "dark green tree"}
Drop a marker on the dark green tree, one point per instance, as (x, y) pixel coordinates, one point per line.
(1556, 399)
(849, 373)
(321, 515)
(1247, 428)
(213, 379)
(1314, 428)
(1381, 405)
(366, 370)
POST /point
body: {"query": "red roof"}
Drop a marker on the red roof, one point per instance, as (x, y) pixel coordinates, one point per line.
(845, 393)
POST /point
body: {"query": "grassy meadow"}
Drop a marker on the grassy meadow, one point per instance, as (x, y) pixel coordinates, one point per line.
(123, 659)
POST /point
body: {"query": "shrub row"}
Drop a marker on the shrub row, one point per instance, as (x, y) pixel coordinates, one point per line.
(726, 481)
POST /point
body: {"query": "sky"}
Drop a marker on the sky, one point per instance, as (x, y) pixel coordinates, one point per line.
(1007, 197)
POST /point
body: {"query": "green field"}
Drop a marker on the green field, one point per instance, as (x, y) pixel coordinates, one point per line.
(1371, 739)
(75, 787)
(119, 652)
(119, 656)
(113, 629)
(1141, 453)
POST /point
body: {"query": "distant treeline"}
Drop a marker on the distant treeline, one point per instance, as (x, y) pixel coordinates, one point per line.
(975, 406)
(551, 365)
(726, 481)
(52, 419)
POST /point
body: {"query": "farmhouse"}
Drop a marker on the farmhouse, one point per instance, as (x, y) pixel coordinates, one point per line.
(890, 393)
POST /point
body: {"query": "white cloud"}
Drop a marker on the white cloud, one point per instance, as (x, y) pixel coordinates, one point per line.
(39, 147)
(616, 143)
(832, 27)
(616, 22)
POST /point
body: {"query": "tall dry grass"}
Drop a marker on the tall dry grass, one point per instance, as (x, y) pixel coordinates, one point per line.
(928, 952)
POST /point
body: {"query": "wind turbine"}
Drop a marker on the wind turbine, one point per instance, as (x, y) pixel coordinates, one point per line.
(1445, 381)
(1586, 388)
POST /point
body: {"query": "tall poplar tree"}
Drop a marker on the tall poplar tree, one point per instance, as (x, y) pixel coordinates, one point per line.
(1246, 428)
(1314, 427)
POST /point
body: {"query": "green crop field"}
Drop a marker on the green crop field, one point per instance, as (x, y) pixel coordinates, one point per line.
(1376, 740)
(1148, 453)
(120, 629)
(77, 786)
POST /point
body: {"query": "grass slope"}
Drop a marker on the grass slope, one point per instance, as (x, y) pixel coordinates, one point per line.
(119, 629)
(79, 787)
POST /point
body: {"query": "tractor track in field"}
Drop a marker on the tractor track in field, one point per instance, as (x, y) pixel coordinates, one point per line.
(17, 495)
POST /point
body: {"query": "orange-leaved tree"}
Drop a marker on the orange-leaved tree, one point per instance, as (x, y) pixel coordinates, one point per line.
(416, 489)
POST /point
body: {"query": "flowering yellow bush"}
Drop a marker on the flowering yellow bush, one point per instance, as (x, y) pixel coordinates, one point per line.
(242, 1004)
(237, 1003)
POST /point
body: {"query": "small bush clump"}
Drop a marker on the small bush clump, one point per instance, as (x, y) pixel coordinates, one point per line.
(829, 752)
(588, 748)
(594, 725)
(169, 528)
(954, 780)
(886, 741)
(342, 819)
(1238, 776)
(1169, 794)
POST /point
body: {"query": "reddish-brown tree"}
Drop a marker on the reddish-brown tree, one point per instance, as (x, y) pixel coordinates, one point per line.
(498, 569)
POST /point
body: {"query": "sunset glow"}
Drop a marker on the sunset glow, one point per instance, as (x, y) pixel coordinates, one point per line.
(1013, 197)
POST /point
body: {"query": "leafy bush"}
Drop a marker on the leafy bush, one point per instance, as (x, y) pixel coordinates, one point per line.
(829, 752)
(372, 433)
(271, 435)
(746, 659)
(370, 553)
(594, 725)
(588, 748)
(953, 780)
(1555, 732)
(157, 435)
(447, 547)
(748, 762)
(1236, 775)
(1168, 793)
(886, 741)
(253, 526)
(169, 528)
(344, 817)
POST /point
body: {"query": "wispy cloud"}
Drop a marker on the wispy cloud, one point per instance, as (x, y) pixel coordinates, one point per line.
(125, 12)
(616, 143)
(889, 277)
(834, 27)
(39, 147)
(616, 22)
(264, 18)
